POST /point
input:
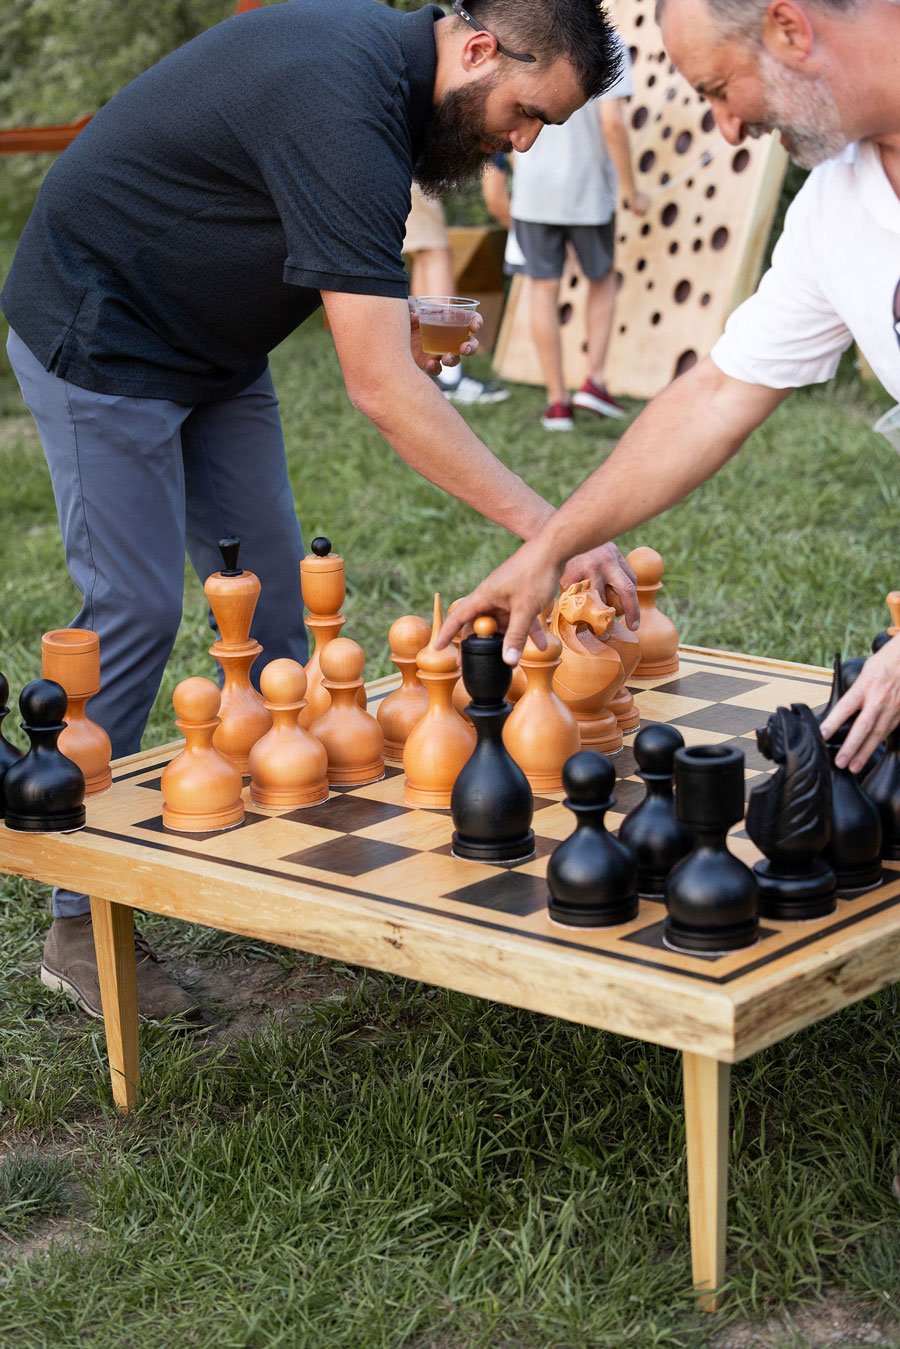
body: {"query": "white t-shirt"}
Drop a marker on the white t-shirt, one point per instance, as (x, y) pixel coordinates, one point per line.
(567, 177)
(835, 278)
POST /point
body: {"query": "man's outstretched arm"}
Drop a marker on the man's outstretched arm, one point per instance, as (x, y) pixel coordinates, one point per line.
(680, 439)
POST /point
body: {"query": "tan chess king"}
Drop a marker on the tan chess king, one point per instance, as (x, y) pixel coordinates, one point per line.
(71, 656)
(323, 585)
(242, 715)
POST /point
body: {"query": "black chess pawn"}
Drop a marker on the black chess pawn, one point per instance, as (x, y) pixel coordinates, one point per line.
(652, 830)
(855, 848)
(591, 875)
(491, 803)
(44, 791)
(9, 754)
(789, 818)
(710, 894)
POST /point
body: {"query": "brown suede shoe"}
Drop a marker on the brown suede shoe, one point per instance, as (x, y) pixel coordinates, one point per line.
(69, 966)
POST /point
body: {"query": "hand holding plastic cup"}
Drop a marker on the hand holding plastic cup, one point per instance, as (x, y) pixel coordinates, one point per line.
(444, 322)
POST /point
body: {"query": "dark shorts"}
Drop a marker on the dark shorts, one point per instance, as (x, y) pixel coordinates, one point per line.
(544, 247)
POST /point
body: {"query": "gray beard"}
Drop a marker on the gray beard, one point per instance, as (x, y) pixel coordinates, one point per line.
(805, 113)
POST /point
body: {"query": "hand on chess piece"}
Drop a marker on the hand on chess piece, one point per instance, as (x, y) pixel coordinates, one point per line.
(874, 701)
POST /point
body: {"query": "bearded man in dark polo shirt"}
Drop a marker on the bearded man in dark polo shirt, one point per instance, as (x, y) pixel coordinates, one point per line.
(257, 173)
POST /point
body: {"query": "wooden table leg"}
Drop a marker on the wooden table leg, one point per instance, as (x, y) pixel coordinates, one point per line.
(706, 1083)
(114, 944)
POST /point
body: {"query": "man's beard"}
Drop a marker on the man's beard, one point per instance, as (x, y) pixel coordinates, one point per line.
(453, 150)
(804, 111)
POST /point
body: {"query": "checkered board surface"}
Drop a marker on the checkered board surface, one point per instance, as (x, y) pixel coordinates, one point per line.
(364, 842)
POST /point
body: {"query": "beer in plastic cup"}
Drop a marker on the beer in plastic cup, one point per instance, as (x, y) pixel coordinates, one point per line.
(444, 322)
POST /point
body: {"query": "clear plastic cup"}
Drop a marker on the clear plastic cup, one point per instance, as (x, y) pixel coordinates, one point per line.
(444, 322)
(889, 427)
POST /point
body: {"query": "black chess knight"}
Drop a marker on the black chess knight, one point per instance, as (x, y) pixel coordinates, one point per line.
(789, 818)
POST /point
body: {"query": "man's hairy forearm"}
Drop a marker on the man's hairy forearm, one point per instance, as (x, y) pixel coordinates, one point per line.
(680, 439)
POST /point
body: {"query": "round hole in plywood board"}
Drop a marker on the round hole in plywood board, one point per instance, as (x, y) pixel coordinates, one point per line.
(682, 291)
(711, 191)
(647, 160)
(740, 160)
(663, 179)
(645, 230)
(698, 219)
(651, 285)
(689, 183)
(633, 53)
(674, 246)
(638, 21)
(640, 264)
(709, 121)
(683, 142)
(720, 238)
(667, 131)
(651, 80)
(669, 214)
(705, 298)
(573, 282)
(623, 328)
(686, 361)
(565, 313)
(584, 347)
(639, 117)
(671, 94)
(656, 318)
(697, 245)
(620, 280)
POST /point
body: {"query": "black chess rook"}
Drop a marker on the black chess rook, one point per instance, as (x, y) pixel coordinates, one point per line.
(711, 895)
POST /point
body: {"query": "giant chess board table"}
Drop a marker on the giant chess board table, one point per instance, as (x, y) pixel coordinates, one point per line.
(365, 879)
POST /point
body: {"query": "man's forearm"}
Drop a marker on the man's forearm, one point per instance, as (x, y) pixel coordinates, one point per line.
(680, 439)
(426, 431)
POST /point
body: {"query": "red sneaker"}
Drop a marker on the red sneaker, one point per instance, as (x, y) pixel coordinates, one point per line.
(594, 398)
(557, 417)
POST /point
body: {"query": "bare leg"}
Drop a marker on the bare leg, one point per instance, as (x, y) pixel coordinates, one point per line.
(601, 308)
(543, 297)
(706, 1083)
(432, 272)
(114, 942)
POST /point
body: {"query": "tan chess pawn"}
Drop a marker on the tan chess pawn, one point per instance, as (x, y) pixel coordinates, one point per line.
(590, 673)
(71, 656)
(288, 765)
(232, 594)
(323, 584)
(626, 645)
(201, 788)
(440, 744)
(657, 635)
(400, 710)
(352, 737)
(541, 733)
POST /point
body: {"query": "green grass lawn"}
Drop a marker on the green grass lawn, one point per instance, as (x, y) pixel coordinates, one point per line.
(349, 1159)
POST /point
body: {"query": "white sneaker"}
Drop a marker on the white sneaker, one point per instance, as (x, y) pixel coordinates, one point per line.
(470, 390)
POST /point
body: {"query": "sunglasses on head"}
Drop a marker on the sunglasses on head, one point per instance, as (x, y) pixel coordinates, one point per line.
(460, 10)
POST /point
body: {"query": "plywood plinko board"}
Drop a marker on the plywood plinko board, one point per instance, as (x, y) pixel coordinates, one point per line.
(694, 256)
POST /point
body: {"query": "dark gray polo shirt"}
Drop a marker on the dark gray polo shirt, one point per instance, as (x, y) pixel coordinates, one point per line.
(191, 226)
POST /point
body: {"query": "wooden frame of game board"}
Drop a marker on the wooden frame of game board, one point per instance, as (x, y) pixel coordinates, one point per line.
(713, 1021)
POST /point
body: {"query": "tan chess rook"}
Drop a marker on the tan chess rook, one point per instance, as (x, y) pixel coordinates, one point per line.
(288, 765)
(71, 656)
(201, 788)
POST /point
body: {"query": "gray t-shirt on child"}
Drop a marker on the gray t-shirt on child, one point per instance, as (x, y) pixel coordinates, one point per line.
(567, 177)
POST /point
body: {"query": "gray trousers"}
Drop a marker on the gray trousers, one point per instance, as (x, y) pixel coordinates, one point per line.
(139, 481)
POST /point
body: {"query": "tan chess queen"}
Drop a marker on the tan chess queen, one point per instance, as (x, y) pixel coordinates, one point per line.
(441, 743)
(288, 765)
(201, 788)
(352, 738)
(71, 656)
